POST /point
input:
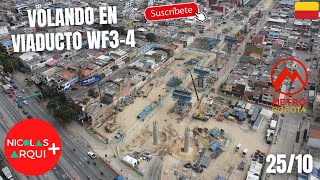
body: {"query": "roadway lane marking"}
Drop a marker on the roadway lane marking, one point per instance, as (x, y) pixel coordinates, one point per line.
(290, 125)
(288, 129)
(81, 164)
(76, 167)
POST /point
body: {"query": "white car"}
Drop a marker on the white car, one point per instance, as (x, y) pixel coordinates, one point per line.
(92, 155)
(25, 102)
(22, 90)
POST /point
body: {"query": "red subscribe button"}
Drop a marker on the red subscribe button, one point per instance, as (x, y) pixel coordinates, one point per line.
(175, 11)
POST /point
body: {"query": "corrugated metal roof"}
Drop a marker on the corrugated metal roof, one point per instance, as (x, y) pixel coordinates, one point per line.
(206, 161)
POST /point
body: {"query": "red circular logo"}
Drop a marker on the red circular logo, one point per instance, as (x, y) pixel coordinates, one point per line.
(32, 147)
(290, 73)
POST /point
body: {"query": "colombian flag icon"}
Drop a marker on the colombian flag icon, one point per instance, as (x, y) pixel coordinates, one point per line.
(306, 10)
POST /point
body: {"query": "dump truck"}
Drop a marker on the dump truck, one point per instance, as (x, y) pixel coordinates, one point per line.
(6, 171)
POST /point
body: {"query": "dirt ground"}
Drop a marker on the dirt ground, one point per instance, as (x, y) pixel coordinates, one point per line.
(171, 132)
(172, 126)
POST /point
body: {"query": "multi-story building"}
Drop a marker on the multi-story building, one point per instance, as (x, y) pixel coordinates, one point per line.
(6, 45)
(316, 45)
(316, 105)
(314, 135)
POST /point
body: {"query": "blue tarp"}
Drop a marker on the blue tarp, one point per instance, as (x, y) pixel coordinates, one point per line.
(315, 172)
(118, 178)
(7, 43)
(302, 177)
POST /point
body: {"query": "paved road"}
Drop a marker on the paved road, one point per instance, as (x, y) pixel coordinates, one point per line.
(291, 123)
(71, 164)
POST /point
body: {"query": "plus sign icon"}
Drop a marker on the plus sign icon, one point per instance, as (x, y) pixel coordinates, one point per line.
(32, 147)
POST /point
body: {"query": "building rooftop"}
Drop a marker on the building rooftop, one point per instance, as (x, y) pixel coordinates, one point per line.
(28, 56)
(314, 130)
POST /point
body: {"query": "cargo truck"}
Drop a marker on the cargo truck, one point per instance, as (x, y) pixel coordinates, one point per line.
(7, 88)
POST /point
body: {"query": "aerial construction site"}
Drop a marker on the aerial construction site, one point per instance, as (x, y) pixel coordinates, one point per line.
(180, 124)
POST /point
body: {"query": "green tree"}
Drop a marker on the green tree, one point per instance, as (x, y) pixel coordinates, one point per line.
(3, 56)
(65, 113)
(10, 64)
(54, 103)
(29, 83)
(178, 82)
(122, 30)
(91, 92)
(151, 37)
(106, 27)
(52, 92)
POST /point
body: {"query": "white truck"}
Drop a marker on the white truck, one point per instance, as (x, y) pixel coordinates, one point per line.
(6, 171)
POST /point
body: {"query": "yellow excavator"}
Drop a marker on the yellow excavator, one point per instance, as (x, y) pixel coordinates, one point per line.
(201, 114)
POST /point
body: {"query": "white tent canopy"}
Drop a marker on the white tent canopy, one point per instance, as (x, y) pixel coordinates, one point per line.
(130, 160)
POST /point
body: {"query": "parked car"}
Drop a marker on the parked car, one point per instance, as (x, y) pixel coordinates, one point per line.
(10, 95)
(92, 155)
(29, 116)
(15, 86)
(25, 102)
(19, 106)
(22, 90)
(25, 112)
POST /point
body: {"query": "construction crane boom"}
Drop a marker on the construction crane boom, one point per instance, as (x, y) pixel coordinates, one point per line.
(201, 112)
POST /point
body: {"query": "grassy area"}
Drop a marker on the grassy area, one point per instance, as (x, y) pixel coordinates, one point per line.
(248, 59)
(253, 48)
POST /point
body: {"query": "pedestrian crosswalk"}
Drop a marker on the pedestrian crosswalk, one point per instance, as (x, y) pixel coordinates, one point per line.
(122, 170)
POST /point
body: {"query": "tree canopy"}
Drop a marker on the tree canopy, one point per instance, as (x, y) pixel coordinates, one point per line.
(62, 109)
(9, 63)
(151, 37)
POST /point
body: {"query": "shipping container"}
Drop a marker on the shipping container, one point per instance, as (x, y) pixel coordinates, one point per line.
(226, 115)
(214, 132)
(248, 107)
(233, 103)
(214, 146)
(255, 114)
(251, 112)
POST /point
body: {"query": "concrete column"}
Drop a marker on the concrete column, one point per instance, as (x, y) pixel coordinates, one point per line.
(155, 132)
(186, 140)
